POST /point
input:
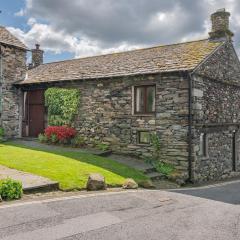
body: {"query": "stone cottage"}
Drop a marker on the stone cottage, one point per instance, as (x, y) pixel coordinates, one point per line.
(188, 93)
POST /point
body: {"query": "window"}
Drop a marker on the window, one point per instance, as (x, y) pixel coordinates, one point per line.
(203, 145)
(144, 99)
(144, 137)
(234, 151)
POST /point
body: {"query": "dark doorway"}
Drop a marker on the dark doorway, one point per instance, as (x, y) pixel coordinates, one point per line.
(34, 113)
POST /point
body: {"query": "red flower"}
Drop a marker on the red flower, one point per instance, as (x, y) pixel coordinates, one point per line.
(62, 133)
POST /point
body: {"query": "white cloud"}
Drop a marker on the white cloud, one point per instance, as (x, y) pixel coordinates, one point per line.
(58, 41)
(198, 35)
(93, 27)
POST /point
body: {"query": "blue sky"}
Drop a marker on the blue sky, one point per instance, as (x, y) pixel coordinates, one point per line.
(8, 18)
(77, 28)
(9, 8)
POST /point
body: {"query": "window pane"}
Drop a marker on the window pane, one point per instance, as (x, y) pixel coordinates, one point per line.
(203, 145)
(237, 140)
(139, 99)
(144, 137)
(150, 99)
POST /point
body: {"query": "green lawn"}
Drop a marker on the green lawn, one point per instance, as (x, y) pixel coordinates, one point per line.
(70, 169)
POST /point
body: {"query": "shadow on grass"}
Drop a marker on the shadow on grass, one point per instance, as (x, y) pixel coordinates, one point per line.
(105, 163)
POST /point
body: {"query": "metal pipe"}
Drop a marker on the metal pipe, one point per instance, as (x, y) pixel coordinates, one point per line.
(1, 70)
(1, 78)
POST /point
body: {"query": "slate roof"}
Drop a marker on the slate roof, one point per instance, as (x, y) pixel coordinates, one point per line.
(175, 57)
(9, 39)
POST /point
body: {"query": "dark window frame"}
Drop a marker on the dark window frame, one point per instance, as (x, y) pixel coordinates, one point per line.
(145, 87)
(139, 137)
(204, 152)
(235, 148)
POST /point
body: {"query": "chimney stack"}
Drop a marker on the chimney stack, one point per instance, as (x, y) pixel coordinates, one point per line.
(220, 25)
(37, 56)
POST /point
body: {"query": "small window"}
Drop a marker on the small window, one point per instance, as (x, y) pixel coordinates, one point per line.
(144, 100)
(234, 151)
(203, 145)
(144, 137)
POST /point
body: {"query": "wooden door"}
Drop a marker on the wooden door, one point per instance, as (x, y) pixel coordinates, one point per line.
(36, 112)
(36, 120)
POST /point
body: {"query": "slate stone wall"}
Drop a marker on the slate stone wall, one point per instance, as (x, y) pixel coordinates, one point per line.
(106, 115)
(222, 66)
(14, 69)
(216, 101)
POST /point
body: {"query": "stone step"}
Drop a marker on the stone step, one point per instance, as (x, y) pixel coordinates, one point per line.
(47, 187)
(155, 175)
(148, 170)
(104, 153)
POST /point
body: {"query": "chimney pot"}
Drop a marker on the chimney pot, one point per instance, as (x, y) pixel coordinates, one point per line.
(220, 25)
(37, 56)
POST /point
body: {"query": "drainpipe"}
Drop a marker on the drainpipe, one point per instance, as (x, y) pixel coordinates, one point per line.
(1, 72)
(1, 79)
(190, 123)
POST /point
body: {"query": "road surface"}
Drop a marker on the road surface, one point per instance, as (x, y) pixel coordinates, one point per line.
(136, 215)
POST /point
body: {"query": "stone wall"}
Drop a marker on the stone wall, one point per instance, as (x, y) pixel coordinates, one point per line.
(222, 66)
(14, 69)
(216, 101)
(106, 115)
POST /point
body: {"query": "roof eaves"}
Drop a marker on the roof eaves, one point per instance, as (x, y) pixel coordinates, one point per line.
(15, 45)
(25, 82)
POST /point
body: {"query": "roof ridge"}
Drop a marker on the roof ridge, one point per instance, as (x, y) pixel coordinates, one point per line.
(134, 50)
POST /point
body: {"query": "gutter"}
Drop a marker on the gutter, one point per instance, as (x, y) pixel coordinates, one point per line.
(190, 124)
(1, 69)
(1, 80)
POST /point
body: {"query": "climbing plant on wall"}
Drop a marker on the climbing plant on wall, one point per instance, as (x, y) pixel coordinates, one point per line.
(62, 105)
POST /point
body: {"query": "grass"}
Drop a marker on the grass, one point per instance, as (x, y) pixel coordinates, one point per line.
(70, 169)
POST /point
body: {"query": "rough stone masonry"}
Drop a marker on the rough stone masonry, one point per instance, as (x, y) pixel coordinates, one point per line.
(197, 92)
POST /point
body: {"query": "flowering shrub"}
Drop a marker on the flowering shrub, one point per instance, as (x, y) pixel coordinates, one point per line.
(61, 134)
(10, 189)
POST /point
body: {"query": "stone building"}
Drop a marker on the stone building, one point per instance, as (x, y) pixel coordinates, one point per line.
(187, 93)
(12, 69)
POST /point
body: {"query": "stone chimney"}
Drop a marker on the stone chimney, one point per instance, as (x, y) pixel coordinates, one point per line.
(220, 25)
(37, 56)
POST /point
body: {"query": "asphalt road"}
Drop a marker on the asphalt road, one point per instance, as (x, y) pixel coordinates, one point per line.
(228, 192)
(128, 215)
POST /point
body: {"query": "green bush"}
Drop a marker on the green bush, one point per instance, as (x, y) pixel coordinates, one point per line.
(156, 144)
(164, 168)
(62, 105)
(10, 189)
(53, 138)
(78, 141)
(1, 134)
(102, 146)
(155, 160)
(42, 138)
